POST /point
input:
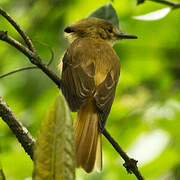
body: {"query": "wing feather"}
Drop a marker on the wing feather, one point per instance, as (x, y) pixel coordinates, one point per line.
(104, 98)
(77, 82)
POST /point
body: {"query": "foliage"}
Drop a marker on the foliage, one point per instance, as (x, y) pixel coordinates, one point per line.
(145, 115)
(106, 12)
(54, 149)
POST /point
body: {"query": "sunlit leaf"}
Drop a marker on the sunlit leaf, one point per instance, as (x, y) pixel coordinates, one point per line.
(106, 12)
(54, 150)
(156, 15)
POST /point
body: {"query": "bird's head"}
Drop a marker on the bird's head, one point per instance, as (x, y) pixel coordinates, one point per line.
(96, 28)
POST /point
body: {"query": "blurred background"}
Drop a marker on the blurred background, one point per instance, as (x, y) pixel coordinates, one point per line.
(145, 115)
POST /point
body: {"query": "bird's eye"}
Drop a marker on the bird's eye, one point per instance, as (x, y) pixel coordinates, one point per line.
(110, 29)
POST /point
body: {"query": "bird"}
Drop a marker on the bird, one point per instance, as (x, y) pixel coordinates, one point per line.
(90, 70)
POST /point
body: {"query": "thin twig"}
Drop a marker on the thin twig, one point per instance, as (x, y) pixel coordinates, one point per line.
(169, 3)
(29, 67)
(52, 57)
(33, 57)
(49, 48)
(174, 5)
(22, 134)
(4, 37)
(19, 30)
(17, 70)
(130, 164)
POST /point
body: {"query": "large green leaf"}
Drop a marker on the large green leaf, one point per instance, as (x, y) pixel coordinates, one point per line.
(54, 150)
(106, 12)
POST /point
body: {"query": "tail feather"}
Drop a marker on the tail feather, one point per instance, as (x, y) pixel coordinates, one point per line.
(88, 139)
(98, 162)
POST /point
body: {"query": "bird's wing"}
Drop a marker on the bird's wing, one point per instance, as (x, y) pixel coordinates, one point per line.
(90, 70)
(77, 82)
(104, 96)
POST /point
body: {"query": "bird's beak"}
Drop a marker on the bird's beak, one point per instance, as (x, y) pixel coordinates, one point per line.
(125, 36)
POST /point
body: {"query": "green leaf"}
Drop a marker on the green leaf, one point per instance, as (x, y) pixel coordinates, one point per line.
(54, 150)
(106, 12)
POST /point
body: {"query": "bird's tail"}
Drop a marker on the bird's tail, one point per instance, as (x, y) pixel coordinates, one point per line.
(88, 139)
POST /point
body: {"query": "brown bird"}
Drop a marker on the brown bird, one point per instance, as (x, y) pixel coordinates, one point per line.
(90, 74)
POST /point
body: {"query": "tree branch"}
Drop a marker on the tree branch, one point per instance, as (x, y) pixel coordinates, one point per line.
(31, 52)
(130, 164)
(19, 30)
(174, 5)
(30, 67)
(22, 134)
(33, 57)
(169, 3)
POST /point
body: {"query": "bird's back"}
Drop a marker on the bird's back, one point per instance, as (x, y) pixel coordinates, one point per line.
(86, 51)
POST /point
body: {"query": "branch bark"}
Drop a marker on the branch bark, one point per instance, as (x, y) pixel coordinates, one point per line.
(174, 5)
(130, 164)
(22, 134)
(19, 30)
(32, 56)
(24, 137)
